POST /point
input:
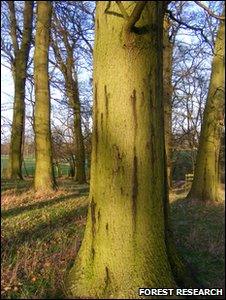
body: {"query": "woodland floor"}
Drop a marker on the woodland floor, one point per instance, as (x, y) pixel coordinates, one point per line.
(41, 234)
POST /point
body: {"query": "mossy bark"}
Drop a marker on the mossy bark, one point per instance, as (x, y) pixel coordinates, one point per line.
(167, 96)
(44, 176)
(125, 242)
(14, 169)
(206, 175)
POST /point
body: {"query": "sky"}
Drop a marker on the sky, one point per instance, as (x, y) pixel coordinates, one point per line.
(7, 87)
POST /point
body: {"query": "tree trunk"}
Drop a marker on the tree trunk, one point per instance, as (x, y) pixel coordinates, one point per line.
(73, 95)
(70, 76)
(74, 102)
(71, 170)
(167, 96)
(19, 74)
(44, 176)
(206, 179)
(58, 169)
(126, 243)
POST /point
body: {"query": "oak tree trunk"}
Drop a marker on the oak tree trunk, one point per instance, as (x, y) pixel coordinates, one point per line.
(206, 176)
(44, 176)
(126, 243)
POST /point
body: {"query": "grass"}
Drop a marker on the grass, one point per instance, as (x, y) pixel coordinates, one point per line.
(41, 236)
(199, 235)
(28, 166)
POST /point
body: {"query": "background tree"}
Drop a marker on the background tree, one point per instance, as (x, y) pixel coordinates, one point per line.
(191, 68)
(44, 177)
(19, 64)
(205, 186)
(67, 67)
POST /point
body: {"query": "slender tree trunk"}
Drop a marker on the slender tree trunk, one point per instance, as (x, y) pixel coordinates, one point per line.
(44, 176)
(126, 243)
(73, 95)
(167, 96)
(74, 102)
(71, 171)
(206, 179)
(19, 74)
(58, 169)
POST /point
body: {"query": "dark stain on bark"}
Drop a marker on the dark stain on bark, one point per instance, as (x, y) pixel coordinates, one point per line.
(98, 215)
(107, 227)
(106, 100)
(134, 187)
(117, 154)
(134, 109)
(107, 278)
(97, 24)
(93, 217)
(121, 190)
(142, 99)
(101, 122)
(117, 158)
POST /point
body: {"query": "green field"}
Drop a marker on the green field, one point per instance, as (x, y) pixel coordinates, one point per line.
(28, 167)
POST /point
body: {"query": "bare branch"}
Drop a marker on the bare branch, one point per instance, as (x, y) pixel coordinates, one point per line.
(189, 27)
(209, 11)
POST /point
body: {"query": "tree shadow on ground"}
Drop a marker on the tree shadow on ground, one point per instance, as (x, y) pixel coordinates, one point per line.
(199, 234)
(18, 186)
(45, 230)
(38, 205)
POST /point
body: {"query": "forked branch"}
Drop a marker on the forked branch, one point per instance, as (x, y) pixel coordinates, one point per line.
(135, 16)
(130, 20)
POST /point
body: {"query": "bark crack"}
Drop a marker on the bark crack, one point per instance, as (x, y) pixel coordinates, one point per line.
(107, 279)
